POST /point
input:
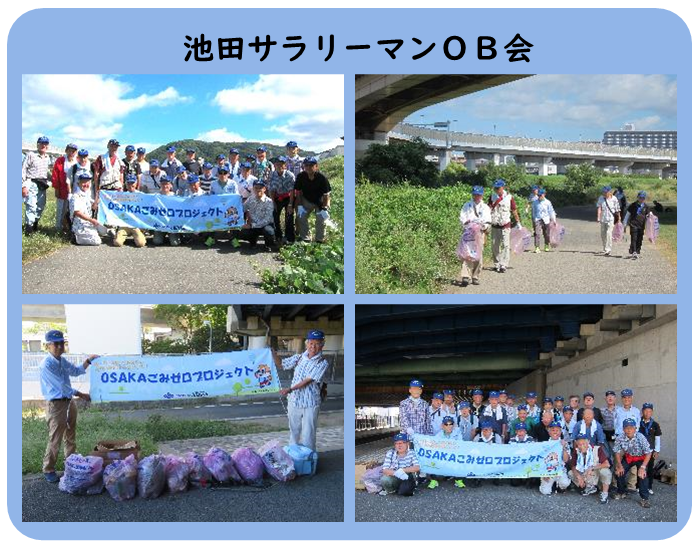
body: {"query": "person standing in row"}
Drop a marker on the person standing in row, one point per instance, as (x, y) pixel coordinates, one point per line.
(503, 208)
(635, 219)
(312, 196)
(35, 176)
(413, 414)
(544, 216)
(475, 213)
(608, 214)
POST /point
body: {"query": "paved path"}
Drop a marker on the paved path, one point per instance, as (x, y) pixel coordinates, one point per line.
(307, 499)
(185, 269)
(578, 266)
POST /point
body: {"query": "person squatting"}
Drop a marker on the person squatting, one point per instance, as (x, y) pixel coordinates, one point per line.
(614, 446)
(287, 185)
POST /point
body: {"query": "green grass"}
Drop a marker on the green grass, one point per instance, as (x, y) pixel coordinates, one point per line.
(47, 239)
(95, 426)
(313, 268)
(668, 235)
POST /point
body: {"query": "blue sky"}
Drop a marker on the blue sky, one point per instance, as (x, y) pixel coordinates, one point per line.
(150, 110)
(563, 107)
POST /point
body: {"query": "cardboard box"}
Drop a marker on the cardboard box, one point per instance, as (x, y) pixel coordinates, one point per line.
(359, 470)
(111, 450)
(669, 476)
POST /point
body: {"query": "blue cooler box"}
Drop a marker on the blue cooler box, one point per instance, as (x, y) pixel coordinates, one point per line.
(305, 459)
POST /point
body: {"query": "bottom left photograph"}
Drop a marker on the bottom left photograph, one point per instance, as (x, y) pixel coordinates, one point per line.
(182, 413)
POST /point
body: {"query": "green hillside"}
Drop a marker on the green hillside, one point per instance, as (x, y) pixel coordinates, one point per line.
(209, 151)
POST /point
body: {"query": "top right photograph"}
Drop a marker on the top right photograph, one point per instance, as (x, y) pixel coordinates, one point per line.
(516, 184)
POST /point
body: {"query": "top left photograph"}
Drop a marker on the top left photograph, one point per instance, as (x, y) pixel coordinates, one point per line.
(157, 184)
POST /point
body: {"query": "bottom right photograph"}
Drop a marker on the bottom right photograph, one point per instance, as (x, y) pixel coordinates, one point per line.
(524, 413)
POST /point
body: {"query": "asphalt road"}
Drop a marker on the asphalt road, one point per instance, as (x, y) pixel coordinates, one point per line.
(315, 498)
(578, 265)
(164, 269)
(508, 503)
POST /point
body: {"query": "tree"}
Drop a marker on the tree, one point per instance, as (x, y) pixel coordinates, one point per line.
(582, 177)
(398, 162)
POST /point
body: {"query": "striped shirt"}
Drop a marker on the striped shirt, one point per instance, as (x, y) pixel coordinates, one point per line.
(393, 461)
(305, 368)
(415, 415)
(282, 184)
(55, 378)
(295, 165)
(35, 166)
(609, 416)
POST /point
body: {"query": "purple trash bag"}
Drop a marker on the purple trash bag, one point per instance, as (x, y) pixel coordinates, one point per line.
(470, 246)
(249, 465)
(618, 232)
(120, 478)
(372, 479)
(277, 462)
(199, 475)
(177, 473)
(151, 476)
(221, 466)
(520, 239)
(652, 228)
(83, 475)
(556, 233)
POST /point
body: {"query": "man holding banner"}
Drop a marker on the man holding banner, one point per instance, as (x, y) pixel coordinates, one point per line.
(61, 411)
(303, 395)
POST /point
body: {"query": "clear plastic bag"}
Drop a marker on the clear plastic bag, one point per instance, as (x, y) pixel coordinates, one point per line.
(470, 246)
(199, 475)
(120, 478)
(520, 239)
(221, 466)
(372, 479)
(151, 476)
(83, 475)
(249, 465)
(277, 462)
(617, 232)
(177, 473)
(652, 228)
(556, 233)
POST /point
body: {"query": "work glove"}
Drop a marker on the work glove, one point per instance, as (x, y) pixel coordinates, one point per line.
(400, 474)
(410, 431)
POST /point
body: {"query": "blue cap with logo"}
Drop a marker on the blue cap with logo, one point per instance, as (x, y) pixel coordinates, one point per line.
(522, 407)
(520, 426)
(154, 163)
(113, 142)
(279, 160)
(499, 183)
(261, 148)
(448, 392)
(400, 437)
(610, 393)
(72, 145)
(130, 148)
(190, 150)
(170, 149)
(448, 420)
(84, 176)
(493, 394)
(54, 336)
(221, 157)
(292, 144)
(222, 169)
(259, 182)
(567, 409)
(558, 398)
(438, 396)
(642, 194)
(629, 422)
(542, 191)
(647, 405)
(315, 335)
(246, 165)
(463, 405)
(83, 152)
(311, 160)
(140, 150)
(192, 178)
(43, 140)
(626, 392)
(582, 436)
(531, 395)
(165, 178)
(234, 151)
(416, 383)
(181, 169)
(208, 165)
(486, 423)
(477, 190)
(548, 400)
(131, 179)
(477, 392)
(555, 424)
(606, 188)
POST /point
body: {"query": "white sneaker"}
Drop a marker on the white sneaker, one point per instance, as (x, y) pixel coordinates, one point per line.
(651, 491)
(590, 490)
(383, 492)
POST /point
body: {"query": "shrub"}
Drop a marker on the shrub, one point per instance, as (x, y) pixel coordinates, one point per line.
(398, 162)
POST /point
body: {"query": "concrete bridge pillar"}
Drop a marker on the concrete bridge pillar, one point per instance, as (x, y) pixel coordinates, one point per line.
(362, 145)
(444, 156)
(624, 167)
(544, 166)
(255, 343)
(498, 159)
(470, 161)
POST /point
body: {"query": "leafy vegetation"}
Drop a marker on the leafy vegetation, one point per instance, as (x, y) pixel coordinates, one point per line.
(47, 239)
(398, 162)
(209, 151)
(315, 268)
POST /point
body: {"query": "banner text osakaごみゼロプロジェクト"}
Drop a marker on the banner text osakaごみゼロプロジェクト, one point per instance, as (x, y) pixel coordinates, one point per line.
(171, 213)
(443, 457)
(143, 378)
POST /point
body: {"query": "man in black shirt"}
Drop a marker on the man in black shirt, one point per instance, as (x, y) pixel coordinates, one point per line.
(636, 220)
(650, 428)
(191, 163)
(589, 403)
(540, 432)
(312, 196)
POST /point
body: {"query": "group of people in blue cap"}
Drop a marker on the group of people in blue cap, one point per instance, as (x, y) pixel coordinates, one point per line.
(287, 185)
(616, 441)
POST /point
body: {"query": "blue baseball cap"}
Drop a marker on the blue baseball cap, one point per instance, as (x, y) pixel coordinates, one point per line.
(555, 424)
(531, 395)
(72, 145)
(251, 157)
(43, 140)
(493, 394)
(221, 157)
(535, 187)
(520, 426)
(292, 144)
(259, 182)
(629, 422)
(261, 148)
(83, 176)
(315, 335)
(503, 392)
(54, 336)
(582, 436)
(642, 194)
(448, 420)
(140, 150)
(626, 392)
(279, 159)
(130, 178)
(310, 160)
(438, 396)
(170, 149)
(112, 142)
(208, 165)
(165, 178)
(499, 183)
(558, 398)
(606, 188)
(542, 191)
(589, 394)
(181, 169)
(234, 151)
(246, 165)
(154, 163)
(610, 393)
(567, 408)
(463, 405)
(448, 392)
(486, 423)
(400, 437)
(548, 400)
(647, 405)
(192, 178)
(522, 407)
(477, 392)
(477, 190)
(223, 169)
(130, 148)
(83, 152)
(416, 382)
(190, 150)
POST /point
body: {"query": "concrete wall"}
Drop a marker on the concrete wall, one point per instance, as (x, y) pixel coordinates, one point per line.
(533, 382)
(651, 351)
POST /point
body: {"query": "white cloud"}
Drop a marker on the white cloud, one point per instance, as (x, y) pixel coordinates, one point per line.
(319, 132)
(285, 94)
(220, 134)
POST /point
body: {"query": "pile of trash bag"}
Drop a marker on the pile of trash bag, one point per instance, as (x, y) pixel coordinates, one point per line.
(372, 479)
(520, 239)
(199, 475)
(221, 466)
(618, 232)
(151, 476)
(249, 465)
(277, 462)
(652, 228)
(177, 473)
(120, 478)
(556, 233)
(83, 475)
(470, 246)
